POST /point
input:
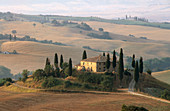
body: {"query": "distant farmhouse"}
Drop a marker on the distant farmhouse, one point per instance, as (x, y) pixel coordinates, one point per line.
(95, 64)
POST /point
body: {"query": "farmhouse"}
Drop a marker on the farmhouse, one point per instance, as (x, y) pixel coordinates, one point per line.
(95, 64)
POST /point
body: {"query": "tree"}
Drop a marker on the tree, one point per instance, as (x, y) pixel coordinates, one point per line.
(14, 32)
(15, 38)
(114, 59)
(70, 67)
(10, 37)
(61, 61)
(56, 60)
(133, 61)
(108, 62)
(136, 72)
(25, 75)
(34, 24)
(121, 66)
(84, 55)
(141, 65)
(49, 70)
(101, 29)
(103, 53)
(47, 61)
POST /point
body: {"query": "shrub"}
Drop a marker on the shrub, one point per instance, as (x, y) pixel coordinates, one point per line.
(87, 86)
(107, 83)
(165, 94)
(149, 71)
(50, 82)
(38, 75)
(132, 108)
(67, 84)
(7, 84)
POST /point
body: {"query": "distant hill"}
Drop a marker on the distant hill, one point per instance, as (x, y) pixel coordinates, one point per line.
(5, 72)
(47, 18)
(162, 76)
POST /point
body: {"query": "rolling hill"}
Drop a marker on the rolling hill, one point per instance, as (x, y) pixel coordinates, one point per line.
(162, 76)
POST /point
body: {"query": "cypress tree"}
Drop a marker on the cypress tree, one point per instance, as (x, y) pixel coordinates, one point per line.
(10, 37)
(133, 61)
(103, 53)
(61, 61)
(56, 60)
(114, 59)
(136, 72)
(121, 65)
(108, 62)
(15, 38)
(84, 55)
(141, 65)
(47, 61)
(70, 67)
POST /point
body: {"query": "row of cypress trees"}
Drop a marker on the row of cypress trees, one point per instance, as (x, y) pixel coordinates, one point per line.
(56, 62)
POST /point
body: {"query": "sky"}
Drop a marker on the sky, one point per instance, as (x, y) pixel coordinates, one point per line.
(154, 10)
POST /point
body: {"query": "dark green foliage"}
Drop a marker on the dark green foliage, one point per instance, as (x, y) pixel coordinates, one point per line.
(65, 65)
(86, 86)
(57, 72)
(14, 32)
(56, 60)
(67, 84)
(133, 61)
(165, 94)
(108, 61)
(61, 61)
(132, 108)
(84, 26)
(88, 77)
(47, 61)
(105, 35)
(39, 74)
(49, 70)
(121, 65)
(149, 71)
(127, 73)
(70, 67)
(84, 55)
(114, 59)
(5, 81)
(101, 29)
(15, 38)
(107, 83)
(10, 37)
(103, 53)
(50, 82)
(136, 72)
(25, 75)
(157, 64)
(141, 65)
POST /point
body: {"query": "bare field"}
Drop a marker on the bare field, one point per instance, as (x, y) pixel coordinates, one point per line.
(138, 31)
(74, 102)
(162, 76)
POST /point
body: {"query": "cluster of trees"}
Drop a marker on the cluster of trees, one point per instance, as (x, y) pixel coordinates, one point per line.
(62, 69)
(62, 23)
(84, 26)
(28, 38)
(5, 81)
(105, 35)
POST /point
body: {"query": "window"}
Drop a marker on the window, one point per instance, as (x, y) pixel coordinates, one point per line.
(83, 63)
(104, 63)
(99, 63)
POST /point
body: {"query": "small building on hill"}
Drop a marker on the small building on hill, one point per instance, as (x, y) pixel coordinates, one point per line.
(96, 64)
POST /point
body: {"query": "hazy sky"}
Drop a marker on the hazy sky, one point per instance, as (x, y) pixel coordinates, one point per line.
(155, 10)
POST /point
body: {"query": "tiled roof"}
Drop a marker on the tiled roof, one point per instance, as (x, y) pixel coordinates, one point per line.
(99, 58)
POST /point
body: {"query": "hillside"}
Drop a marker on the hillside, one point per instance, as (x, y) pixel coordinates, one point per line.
(162, 76)
(32, 55)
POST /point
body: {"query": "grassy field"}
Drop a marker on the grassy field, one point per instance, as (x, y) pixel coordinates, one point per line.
(32, 55)
(163, 76)
(74, 101)
(138, 31)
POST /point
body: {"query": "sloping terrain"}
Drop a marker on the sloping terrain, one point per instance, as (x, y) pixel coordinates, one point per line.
(138, 31)
(32, 55)
(163, 76)
(75, 101)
